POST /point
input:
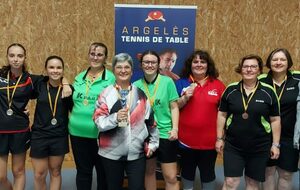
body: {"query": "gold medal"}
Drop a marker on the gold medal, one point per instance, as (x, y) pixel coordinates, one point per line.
(85, 102)
(9, 112)
(147, 91)
(245, 115)
(53, 121)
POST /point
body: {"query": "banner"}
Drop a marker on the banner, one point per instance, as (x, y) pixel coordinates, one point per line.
(168, 30)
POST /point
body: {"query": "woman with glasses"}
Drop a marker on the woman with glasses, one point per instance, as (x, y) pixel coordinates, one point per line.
(285, 84)
(161, 92)
(200, 92)
(125, 121)
(248, 119)
(83, 131)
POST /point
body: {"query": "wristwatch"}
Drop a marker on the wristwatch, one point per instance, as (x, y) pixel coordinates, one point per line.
(220, 139)
(277, 145)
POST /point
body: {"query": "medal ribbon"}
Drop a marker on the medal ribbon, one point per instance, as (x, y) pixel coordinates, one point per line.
(10, 99)
(89, 83)
(246, 104)
(151, 98)
(194, 81)
(55, 102)
(281, 92)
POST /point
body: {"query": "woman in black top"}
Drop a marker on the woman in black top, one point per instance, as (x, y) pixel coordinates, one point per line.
(247, 119)
(285, 83)
(15, 91)
(16, 88)
(49, 141)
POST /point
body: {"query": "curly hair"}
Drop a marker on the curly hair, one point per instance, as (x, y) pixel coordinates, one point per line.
(211, 68)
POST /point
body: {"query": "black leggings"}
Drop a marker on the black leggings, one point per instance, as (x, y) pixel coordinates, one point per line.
(85, 151)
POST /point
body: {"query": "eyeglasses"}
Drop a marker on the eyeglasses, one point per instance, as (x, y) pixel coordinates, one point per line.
(97, 55)
(252, 67)
(149, 62)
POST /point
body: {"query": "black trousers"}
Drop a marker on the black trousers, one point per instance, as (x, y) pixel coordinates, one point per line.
(114, 171)
(85, 151)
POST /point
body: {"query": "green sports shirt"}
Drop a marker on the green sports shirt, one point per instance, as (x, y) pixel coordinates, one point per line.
(162, 92)
(81, 122)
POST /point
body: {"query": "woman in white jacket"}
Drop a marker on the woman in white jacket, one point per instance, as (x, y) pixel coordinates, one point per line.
(127, 130)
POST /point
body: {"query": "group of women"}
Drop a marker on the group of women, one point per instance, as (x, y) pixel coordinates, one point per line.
(116, 125)
(256, 123)
(49, 135)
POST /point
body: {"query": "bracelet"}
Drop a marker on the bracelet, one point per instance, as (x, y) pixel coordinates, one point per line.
(220, 139)
(277, 145)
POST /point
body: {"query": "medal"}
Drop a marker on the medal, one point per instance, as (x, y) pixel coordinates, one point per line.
(53, 107)
(245, 115)
(9, 112)
(53, 121)
(147, 91)
(85, 102)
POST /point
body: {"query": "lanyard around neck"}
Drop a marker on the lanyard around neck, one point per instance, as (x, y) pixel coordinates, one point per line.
(53, 107)
(10, 98)
(151, 98)
(281, 92)
(246, 104)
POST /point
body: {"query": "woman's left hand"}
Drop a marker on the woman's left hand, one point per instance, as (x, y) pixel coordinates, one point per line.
(26, 111)
(173, 134)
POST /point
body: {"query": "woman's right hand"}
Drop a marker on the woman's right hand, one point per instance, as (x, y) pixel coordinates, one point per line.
(122, 114)
(190, 91)
(219, 146)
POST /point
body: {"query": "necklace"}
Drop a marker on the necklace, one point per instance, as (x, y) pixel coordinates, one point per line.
(95, 76)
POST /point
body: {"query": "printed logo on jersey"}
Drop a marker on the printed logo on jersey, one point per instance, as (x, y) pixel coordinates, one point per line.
(157, 102)
(290, 88)
(260, 101)
(3, 80)
(213, 92)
